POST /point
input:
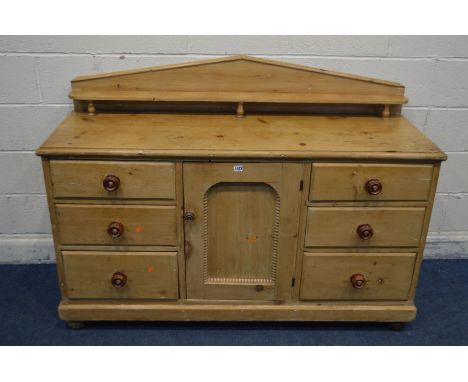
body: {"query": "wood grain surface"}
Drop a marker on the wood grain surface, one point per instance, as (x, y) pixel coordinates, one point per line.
(224, 136)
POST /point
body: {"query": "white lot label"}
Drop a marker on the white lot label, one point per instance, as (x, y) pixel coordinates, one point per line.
(238, 168)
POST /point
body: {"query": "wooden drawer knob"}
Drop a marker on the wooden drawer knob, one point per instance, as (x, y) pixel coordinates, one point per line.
(374, 186)
(119, 279)
(358, 281)
(111, 183)
(115, 229)
(365, 231)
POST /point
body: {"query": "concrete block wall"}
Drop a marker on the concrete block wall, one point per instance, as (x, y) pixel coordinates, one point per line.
(35, 74)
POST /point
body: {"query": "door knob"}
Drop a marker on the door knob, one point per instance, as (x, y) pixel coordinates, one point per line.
(189, 216)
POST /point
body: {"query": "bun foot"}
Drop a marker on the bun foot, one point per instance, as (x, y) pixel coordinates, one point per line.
(75, 324)
(396, 326)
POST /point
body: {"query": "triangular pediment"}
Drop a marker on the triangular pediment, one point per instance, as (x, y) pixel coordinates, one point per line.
(237, 79)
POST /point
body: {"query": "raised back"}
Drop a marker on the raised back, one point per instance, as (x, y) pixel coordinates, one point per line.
(241, 81)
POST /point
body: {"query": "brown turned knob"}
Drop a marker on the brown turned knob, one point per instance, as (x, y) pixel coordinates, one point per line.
(189, 216)
(115, 229)
(365, 231)
(358, 281)
(374, 186)
(111, 183)
(119, 279)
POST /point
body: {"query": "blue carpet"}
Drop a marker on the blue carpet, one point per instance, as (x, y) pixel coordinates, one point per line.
(29, 298)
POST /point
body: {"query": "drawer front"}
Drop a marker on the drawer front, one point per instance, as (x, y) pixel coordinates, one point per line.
(151, 275)
(99, 225)
(89, 179)
(378, 182)
(356, 276)
(348, 226)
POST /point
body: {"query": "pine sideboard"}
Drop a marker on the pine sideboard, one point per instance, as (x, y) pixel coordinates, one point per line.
(238, 188)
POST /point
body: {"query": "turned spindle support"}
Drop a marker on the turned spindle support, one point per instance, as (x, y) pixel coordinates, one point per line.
(240, 110)
(386, 111)
(91, 108)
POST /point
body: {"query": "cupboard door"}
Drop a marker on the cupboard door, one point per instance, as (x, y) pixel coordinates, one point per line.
(241, 225)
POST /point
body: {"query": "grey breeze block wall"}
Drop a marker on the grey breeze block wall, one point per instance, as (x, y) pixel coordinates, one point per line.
(35, 74)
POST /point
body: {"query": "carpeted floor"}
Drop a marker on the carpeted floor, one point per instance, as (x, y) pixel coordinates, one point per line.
(29, 298)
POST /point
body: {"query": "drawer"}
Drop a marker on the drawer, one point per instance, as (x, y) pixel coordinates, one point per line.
(364, 226)
(378, 182)
(356, 276)
(116, 225)
(89, 179)
(151, 275)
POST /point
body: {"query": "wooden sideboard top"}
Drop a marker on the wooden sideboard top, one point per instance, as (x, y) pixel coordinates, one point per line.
(238, 107)
(204, 136)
